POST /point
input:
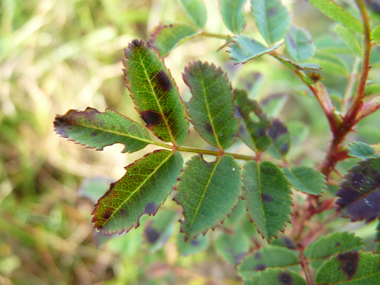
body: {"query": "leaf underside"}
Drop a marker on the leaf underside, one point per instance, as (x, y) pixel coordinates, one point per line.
(166, 37)
(276, 277)
(254, 134)
(268, 197)
(98, 130)
(306, 180)
(361, 150)
(211, 106)
(155, 93)
(299, 44)
(232, 12)
(144, 187)
(207, 192)
(272, 19)
(244, 48)
(268, 257)
(350, 268)
(330, 245)
(196, 11)
(360, 191)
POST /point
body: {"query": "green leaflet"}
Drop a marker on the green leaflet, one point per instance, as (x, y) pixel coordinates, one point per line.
(207, 192)
(372, 89)
(196, 11)
(331, 64)
(296, 66)
(361, 150)
(144, 187)
(166, 38)
(192, 245)
(306, 179)
(337, 13)
(281, 138)
(299, 44)
(97, 130)
(267, 196)
(159, 229)
(349, 39)
(352, 268)
(211, 106)
(155, 93)
(330, 245)
(272, 19)
(276, 277)
(375, 35)
(244, 48)
(252, 133)
(233, 14)
(268, 257)
(232, 247)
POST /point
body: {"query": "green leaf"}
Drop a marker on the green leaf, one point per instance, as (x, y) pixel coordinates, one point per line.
(232, 247)
(166, 37)
(360, 191)
(337, 13)
(372, 89)
(244, 48)
(361, 150)
(192, 245)
(350, 268)
(268, 197)
(98, 130)
(330, 245)
(306, 179)
(299, 44)
(375, 35)
(196, 11)
(331, 64)
(272, 19)
(207, 192)
(268, 257)
(211, 106)
(155, 93)
(159, 229)
(144, 187)
(296, 66)
(94, 187)
(349, 39)
(281, 138)
(276, 277)
(236, 215)
(233, 14)
(253, 133)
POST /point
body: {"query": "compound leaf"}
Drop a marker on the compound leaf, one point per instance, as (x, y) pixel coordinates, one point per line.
(166, 37)
(299, 44)
(211, 106)
(98, 130)
(207, 192)
(196, 11)
(306, 179)
(144, 187)
(268, 197)
(349, 38)
(330, 245)
(281, 138)
(272, 19)
(192, 245)
(276, 277)
(155, 93)
(244, 48)
(350, 268)
(233, 14)
(360, 191)
(253, 133)
(337, 13)
(361, 150)
(268, 257)
(232, 247)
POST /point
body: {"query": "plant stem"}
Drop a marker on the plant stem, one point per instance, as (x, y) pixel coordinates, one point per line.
(212, 35)
(305, 267)
(350, 85)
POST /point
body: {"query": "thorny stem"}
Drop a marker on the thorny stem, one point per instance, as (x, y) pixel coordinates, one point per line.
(305, 266)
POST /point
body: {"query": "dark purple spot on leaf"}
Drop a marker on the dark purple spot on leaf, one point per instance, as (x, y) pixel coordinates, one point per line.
(349, 263)
(337, 244)
(289, 243)
(163, 81)
(238, 257)
(208, 128)
(272, 12)
(266, 198)
(93, 134)
(285, 278)
(260, 132)
(194, 242)
(260, 267)
(152, 235)
(277, 129)
(284, 148)
(257, 255)
(151, 118)
(150, 208)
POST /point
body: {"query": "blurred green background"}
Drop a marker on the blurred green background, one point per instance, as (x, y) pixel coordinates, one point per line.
(57, 55)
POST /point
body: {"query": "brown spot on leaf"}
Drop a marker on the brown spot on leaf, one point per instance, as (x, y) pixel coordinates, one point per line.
(338, 243)
(260, 267)
(277, 129)
(315, 77)
(208, 128)
(152, 235)
(289, 243)
(257, 255)
(238, 257)
(163, 81)
(151, 118)
(93, 134)
(285, 278)
(266, 198)
(349, 262)
(150, 208)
